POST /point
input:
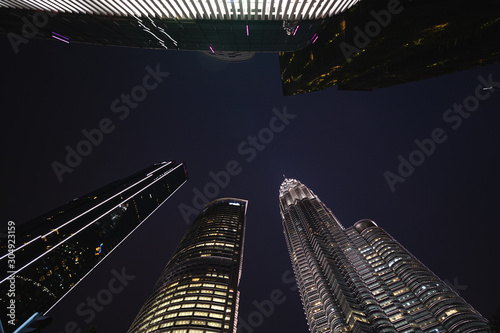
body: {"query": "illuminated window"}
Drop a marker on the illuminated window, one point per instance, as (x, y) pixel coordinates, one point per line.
(218, 307)
(216, 315)
(400, 291)
(396, 317)
(171, 315)
(221, 293)
(175, 307)
(220, 300)
(450, 312)
(214, 324)
(185, 313)
(200, 313)
(361, 319)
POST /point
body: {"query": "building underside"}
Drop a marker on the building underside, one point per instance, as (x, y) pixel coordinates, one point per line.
(211, 25)
(420, 39)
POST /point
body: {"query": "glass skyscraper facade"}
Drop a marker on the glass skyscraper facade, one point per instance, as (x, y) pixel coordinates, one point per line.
(360, 279)
(405, 48)
(58, 249)
(208, 25)
(198, 289)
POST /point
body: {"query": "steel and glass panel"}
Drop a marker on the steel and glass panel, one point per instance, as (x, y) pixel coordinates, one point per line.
(198, 289)
(360, 279)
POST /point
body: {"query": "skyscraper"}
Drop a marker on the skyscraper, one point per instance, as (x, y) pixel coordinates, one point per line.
(198, 289)
(375, 45)
(360, 279)
(58, 249)
(209, 25)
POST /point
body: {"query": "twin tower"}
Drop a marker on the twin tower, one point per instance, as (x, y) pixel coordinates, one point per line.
(356, 279)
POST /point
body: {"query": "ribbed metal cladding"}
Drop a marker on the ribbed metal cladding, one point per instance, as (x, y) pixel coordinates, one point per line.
(198, 289)
(360, 279)
(193, 9)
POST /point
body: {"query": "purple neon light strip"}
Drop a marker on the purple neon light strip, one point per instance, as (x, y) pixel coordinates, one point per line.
(297, 28)
(55, 33)
(247, 31)
(62, 40)
(211, 49)
(315, 39)
(313, 36)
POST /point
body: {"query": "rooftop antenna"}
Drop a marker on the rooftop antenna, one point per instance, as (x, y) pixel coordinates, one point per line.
(284, 176)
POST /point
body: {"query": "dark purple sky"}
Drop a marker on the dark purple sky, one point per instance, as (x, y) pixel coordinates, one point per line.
(339, 144)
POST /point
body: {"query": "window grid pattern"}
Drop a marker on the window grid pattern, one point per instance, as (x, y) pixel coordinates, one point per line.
(360, 279)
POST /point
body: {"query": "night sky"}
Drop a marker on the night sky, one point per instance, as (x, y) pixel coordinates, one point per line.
(338, 143)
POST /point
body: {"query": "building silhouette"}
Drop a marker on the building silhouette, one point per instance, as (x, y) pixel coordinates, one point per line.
(360, 279)
(198, 289)
(56, 250)
(213, 25)
(376, 45)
